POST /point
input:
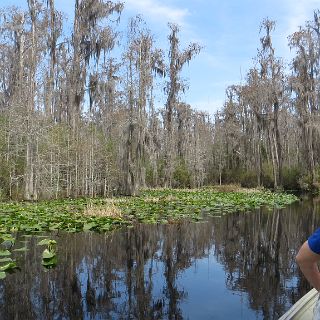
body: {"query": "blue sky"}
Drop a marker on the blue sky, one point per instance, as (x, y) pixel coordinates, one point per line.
(227, 29)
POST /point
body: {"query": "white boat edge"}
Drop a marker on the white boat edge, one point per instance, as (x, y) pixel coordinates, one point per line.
(303, 308)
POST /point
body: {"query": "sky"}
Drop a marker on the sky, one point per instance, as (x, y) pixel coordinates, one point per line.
(228, 31)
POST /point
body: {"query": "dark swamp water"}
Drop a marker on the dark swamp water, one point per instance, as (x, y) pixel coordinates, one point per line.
(238, 266)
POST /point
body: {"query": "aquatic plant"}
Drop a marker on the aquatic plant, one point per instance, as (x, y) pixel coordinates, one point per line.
(74, 215)
(49, 257)
(102, 215)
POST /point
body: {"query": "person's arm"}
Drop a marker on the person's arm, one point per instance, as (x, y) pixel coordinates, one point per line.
(307, 261)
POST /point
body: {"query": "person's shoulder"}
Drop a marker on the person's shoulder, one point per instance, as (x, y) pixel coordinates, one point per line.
(314, 241)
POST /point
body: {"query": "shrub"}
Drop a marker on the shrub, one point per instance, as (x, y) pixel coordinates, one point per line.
(305, 182)
(290, 178)
(267, 175)
(181, 176)
(248, 179)
(230, 176)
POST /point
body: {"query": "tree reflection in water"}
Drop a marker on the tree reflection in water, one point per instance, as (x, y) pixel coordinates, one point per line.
(133, 274)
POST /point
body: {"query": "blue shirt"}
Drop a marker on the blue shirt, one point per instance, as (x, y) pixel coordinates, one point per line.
(314, 241)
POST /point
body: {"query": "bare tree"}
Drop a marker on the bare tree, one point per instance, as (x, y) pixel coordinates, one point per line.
(175, 85)
(305, 85)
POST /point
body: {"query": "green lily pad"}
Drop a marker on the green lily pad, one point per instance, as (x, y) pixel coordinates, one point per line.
(46, 242)
(9, 266)
(7, 237)
(47, 254)
(2, 275)
(89, 226)
(49, 263)
(5, 253)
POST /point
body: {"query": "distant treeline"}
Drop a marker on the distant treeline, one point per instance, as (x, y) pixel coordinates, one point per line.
(78, 115)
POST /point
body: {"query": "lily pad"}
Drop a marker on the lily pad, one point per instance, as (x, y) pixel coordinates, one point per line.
(47, 254)
(89, 226)
(50, 263)
(9, 266)
(4, 253)
(46, 242)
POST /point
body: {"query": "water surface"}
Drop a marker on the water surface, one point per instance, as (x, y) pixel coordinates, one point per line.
(237, 266)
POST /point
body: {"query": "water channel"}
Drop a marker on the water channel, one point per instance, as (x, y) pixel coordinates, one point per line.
(236, 266)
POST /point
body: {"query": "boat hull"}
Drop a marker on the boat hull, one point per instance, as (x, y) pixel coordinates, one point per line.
(303, 308)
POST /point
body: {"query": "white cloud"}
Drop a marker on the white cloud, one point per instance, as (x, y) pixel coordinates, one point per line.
(208, 105)
(158, 11)
(293, 14)
(299, 12)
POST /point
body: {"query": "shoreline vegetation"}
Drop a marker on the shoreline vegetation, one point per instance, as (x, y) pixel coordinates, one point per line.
(100, 109)
(151, 206)
(27, 219)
